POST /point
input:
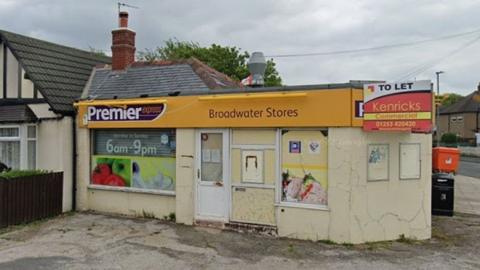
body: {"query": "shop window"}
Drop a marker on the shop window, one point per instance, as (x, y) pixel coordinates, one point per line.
(134, 158)
(10, 146)
(304, 166)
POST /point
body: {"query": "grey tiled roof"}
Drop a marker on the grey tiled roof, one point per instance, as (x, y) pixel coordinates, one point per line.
(16, 113)
(148, 80)
(59, 72)
(470, 103)
(157, 79)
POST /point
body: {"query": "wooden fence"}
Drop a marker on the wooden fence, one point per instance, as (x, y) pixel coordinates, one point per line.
(30, 198)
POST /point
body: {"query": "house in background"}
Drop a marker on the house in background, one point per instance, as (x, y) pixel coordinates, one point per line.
(39, 81)
(462, 118)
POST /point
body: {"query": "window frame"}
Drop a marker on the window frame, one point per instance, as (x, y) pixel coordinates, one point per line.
(28, 139)
(278, 182)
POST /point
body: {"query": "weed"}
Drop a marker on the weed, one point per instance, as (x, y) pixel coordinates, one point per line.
(327, 242)
(171, 217)
(146, 214)
(291, 248)
(406, 240)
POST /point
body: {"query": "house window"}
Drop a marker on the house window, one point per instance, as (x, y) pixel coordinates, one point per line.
(134, 158)
(10, 146)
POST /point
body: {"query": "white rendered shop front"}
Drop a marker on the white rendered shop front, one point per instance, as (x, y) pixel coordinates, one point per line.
(301, 166)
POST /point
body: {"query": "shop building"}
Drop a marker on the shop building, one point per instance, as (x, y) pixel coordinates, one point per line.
(39, 81)
(180, 139)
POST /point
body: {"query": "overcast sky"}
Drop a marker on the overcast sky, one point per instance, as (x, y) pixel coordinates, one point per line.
(282, 27)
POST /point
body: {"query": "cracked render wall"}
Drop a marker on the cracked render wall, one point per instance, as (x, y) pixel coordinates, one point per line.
(362, 211)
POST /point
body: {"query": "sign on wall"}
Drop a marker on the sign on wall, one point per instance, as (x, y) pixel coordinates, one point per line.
(138, 112)
(312, 108)
(134, 142)
(403, 106)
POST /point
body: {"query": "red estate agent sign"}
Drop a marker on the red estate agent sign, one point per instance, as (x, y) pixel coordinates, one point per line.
(403, 106)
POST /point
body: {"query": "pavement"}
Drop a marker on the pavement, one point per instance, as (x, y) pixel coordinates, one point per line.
(467, 194)
(93, 241)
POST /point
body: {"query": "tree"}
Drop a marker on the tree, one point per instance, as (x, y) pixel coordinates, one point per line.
(228, 60)
(450, 99)
(96, 52)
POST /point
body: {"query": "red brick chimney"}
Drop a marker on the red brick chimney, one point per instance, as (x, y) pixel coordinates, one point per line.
(123, 44)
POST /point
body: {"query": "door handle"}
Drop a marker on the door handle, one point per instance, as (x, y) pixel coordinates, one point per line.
(219, 184)
(198, 173)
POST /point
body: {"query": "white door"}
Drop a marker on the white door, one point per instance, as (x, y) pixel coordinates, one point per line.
(212, 175)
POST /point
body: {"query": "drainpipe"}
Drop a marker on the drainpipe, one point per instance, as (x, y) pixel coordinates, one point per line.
(74, 162)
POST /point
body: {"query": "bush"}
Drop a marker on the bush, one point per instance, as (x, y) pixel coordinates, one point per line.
(21, 173)
(450, 138)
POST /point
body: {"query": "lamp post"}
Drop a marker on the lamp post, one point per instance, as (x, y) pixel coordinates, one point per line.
(438, 108)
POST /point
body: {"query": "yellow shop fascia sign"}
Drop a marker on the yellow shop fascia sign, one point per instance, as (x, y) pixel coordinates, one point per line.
(311, 108)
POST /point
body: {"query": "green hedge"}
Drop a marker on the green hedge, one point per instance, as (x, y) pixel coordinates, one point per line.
(449, 138)
(21, 173)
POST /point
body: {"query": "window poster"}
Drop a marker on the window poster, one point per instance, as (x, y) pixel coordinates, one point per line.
(378, 162)
(136, 159)
(304, 173)
(136, 172)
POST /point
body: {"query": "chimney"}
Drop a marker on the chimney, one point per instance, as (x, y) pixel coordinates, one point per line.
(123, 44)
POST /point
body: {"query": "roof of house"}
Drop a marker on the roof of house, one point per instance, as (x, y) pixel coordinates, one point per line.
(16, 113)
(158, 78)
(470, 103)
(58, 72)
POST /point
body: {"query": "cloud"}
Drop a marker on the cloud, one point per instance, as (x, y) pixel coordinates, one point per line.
(280, 27)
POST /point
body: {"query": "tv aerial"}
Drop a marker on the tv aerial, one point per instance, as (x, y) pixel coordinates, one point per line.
(125, 5)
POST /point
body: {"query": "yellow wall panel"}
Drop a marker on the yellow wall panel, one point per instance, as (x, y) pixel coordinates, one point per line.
(254, 136)
(253, 205)
(270, 159)
(236, 165)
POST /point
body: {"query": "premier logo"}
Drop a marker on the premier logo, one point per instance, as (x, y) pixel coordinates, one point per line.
(126, 113)
(109, 114)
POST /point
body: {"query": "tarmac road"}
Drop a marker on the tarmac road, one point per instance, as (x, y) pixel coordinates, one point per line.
(469, 166)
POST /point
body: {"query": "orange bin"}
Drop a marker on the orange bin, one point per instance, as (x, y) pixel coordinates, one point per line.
(445, 159)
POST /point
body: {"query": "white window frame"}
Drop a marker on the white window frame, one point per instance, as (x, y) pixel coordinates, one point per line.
(26, 145)
(23, 139)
